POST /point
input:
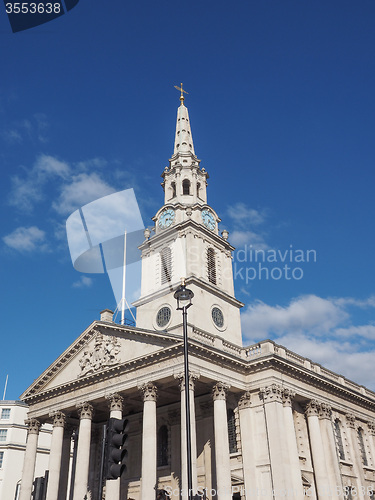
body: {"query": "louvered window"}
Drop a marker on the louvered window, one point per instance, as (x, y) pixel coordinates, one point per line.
(186, 186)
(231, 420)
(198, 188)
(211, 266)
(166, 265)
(163, 446)
(340, 446)
(362, 446)
(173, 185)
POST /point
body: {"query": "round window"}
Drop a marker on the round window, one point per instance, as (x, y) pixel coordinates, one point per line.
(218, 317)
(163, 316)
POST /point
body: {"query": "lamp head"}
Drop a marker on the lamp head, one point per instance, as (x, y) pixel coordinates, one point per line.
(183, 296)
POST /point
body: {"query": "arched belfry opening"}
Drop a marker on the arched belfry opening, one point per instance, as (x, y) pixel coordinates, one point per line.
(186, 186)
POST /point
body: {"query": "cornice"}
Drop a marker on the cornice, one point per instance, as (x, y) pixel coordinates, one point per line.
(206, 286)
(236, 362)
(175, 230)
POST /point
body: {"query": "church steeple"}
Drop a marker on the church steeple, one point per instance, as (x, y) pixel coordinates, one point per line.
(184, 181)
(183, 142)
(187, 242)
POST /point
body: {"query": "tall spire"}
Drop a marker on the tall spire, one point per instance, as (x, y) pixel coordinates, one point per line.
(183, 142)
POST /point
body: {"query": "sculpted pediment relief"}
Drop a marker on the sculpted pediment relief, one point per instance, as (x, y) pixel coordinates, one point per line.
(99, 349)
(105, 353)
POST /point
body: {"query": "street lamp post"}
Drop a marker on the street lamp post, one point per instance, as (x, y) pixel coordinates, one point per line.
(183, 296)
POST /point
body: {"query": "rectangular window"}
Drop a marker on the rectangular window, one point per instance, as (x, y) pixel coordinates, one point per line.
(5, 414)
(3, 434)
(1, 459)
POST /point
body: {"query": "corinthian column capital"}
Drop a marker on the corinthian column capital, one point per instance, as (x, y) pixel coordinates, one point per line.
(288, 396)
(371, 427)
(58, 418)
(149, 391)
(115, 402)
(272, 393)
(181, 380)
(219, 391)
(313, 408)
(85, 410)
(325, 411)
(245, 401)
(350, 420)
(33, 426)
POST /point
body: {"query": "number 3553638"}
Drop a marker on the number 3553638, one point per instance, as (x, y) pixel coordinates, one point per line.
(32, 8)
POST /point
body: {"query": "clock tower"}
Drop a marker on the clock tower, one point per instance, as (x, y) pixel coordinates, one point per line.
(186, 243)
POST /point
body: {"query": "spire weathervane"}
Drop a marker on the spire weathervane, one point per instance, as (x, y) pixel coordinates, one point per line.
(182, 98)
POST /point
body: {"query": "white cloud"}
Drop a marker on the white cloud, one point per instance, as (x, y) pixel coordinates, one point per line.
(82, 189)
(365, 331)
(340, 357)
(305, 313)
(83, 282)
(244, 219)
(244, 216)
(12, 136)
(27, 239)
(351, 301)
(319, 329)
(28, 189)
(77, 189)
(34, 129)
(240, 238)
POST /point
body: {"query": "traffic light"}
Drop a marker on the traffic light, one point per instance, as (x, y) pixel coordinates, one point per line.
(115, 448)
(40, 487)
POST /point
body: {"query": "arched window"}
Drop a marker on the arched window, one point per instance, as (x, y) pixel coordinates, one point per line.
(173, 186)
(166, 265)
(186, 186)
(163, 446)
(198, 188)
(231, 420)
(211, 266)
(362, 446)
(340, 445)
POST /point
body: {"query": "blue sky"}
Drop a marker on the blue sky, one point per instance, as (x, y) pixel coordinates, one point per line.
(282, 108)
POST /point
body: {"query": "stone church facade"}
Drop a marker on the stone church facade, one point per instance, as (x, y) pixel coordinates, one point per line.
(265, 422)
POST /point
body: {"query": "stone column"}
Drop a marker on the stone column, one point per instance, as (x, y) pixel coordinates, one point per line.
(193, 436)
(332, 460)
(65, 462)
(223, 476)
(30, 458)
(247, 442)
(112, 486)
(355, 454)
(54, 465)
(277, 443)
(148, 483)
(295, 489)
(371, 432)
(85, 411)
(317, 451)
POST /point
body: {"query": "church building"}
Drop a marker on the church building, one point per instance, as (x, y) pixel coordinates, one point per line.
(266, 423)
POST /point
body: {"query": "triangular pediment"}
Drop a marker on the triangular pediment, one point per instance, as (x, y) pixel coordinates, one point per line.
(100, 348)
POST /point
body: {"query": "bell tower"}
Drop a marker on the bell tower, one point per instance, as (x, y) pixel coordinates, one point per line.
(186, 243)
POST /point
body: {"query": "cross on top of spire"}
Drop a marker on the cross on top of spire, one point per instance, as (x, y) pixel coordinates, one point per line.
(182, 98)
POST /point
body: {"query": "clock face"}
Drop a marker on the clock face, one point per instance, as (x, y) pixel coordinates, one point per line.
(208, 219)
(166, 218)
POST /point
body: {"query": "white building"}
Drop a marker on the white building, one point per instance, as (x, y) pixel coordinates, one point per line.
(265, 422)
(13, 433)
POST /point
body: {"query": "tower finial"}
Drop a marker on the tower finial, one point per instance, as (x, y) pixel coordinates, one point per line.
(182, 98)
